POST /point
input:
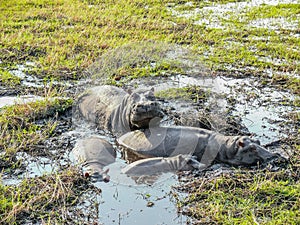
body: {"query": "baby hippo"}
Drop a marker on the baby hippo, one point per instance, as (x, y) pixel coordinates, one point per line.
(156, 165)
(208, 146)
(94, 153)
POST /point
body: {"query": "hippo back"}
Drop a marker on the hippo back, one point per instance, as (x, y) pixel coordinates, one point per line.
(113, 109)
(166, 141)
(94, 150)
(98, 103)
(157, 165)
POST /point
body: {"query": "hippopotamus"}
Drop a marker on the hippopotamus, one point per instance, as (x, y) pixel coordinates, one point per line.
(155, 165)
(113, 109)
(208, 146)
(93, 154)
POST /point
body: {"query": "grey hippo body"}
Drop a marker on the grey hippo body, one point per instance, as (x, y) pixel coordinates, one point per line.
(114, 109)
(156, 165)
(93, 154)
(206, 145)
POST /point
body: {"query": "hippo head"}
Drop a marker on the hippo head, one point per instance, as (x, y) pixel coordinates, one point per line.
(97, 175)
(248, 152)
(144, 109)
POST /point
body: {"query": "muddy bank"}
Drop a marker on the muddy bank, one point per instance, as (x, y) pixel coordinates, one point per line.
(228, 105)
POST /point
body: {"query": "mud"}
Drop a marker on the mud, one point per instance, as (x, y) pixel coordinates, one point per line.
(230, 106)
(257, 110)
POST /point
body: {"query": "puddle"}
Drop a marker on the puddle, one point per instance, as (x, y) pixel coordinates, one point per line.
(123, 200)
(35, 166)
(260, 108)
(126, 202)
(22, 99)
(216, 84)
(33, 81)
(212, 16)
(27, 80)
(274, 24)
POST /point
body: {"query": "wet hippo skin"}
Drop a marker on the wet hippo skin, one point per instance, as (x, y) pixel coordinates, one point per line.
(155, 165)
(114, 109)
(93, 153)
(206, 145)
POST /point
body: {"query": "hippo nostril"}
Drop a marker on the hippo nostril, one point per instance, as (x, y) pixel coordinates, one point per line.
(154, 104)
(281, 159)
(106, 179)
(277, 158)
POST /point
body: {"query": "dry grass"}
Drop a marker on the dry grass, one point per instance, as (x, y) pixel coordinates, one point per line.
(50, 199)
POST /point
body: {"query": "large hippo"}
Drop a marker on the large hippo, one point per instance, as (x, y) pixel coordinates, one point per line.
(94, 153)
(118, 111)
(156, 165)
(206, 145)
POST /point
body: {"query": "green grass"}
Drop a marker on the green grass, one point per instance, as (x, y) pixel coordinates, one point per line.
(194, 93)
(63, 42)
(270, 11)
(244, 198)
(123, 40)
(19, 130)
(46, 199)
(67, 36)
(240, 45)
(6, 78)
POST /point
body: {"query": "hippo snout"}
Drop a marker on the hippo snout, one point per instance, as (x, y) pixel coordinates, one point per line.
(143, 112)
(97, 176)
(267, 157)
(144, 107)
(276, 158)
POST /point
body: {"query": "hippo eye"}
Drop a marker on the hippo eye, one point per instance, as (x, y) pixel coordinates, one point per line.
(241, 144)
(151, 97)
(250, 148)
(253, 148)
(135, 96)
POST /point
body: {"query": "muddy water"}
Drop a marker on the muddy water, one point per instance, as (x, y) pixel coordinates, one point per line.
(127, 201)
(35, 166)
(29, 80)
(262, 109)
(212, 16)
(138, 204)
(124, 201)
(13, 100)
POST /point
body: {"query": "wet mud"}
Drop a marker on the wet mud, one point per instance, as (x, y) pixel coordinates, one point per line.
(247, 105)
(236, 98)
(230, 106)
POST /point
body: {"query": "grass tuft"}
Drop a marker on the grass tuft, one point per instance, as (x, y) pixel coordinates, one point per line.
(46, 199)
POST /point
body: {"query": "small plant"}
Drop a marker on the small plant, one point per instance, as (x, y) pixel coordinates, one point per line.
(9, 79)
(194, 93)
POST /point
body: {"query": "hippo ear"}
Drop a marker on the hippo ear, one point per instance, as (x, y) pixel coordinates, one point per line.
(152, 89)
(256, 142)
(241, 143)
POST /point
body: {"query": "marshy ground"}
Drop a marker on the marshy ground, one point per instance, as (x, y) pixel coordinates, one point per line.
(230, 66)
